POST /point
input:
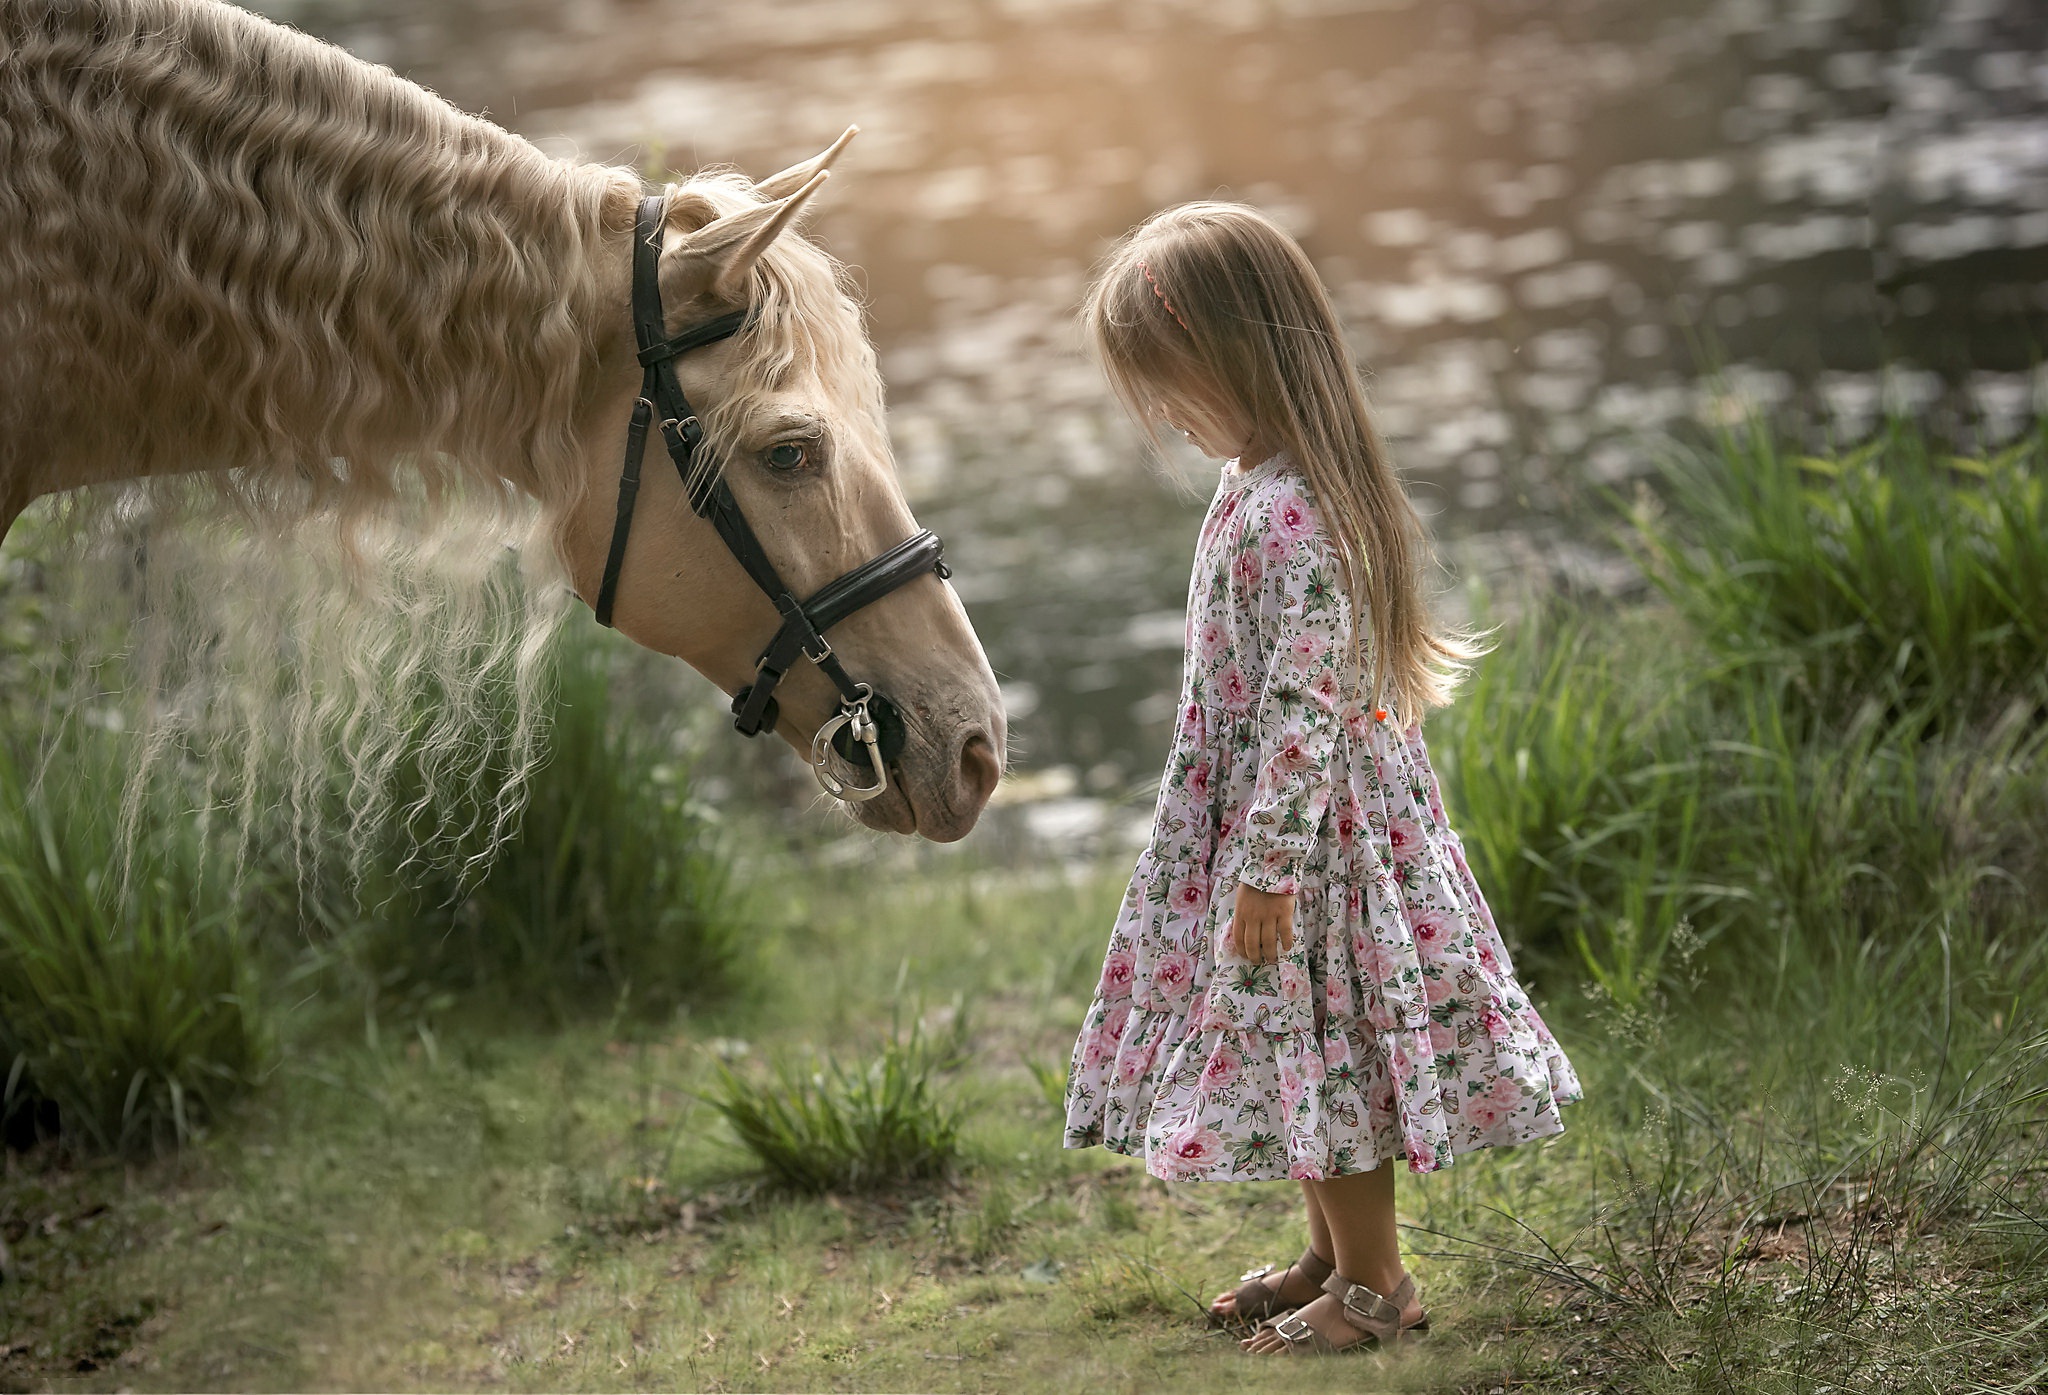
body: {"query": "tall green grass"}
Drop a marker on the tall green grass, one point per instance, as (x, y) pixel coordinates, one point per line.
(144, 966)
(610, 894)
(1891, 570)
(130, 997)
(1829, 733)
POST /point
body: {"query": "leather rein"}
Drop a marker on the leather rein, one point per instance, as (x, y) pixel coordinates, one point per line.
(859, 722)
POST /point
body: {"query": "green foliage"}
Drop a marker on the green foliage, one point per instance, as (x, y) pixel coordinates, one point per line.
(1837, 741)
(610, 892)
(822, 1126)
(1572, 767)
(128, 990)
(1889, 570)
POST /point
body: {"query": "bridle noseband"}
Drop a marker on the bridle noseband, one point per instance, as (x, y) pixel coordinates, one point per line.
(804, 622)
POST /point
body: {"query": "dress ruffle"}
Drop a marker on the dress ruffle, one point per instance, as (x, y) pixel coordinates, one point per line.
(1387, 1031)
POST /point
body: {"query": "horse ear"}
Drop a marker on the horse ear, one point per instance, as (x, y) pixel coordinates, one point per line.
(781, 186)
(716, 259)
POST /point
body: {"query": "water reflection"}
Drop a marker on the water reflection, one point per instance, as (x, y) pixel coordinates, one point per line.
(1539, 220)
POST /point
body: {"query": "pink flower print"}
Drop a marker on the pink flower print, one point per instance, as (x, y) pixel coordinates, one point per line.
(1191, 719)
(1293, 982)
(1337, 996)
(1292, 1088)
(1325, 688)
(1094, 1050)
(1274, 548)
(1173, 977)
(1212, 1015)
(1246, 569)
(1292, 755)
(1381, 1100)
(1347, 830)
(1429, 927)
(1232, 689)
(1293, 519)
(1193, 1150)
(1225, 1065)
(1354, 902)
(1114, 1025)
(1117, 969)
(1506, 1092)
(1191, 895)
(1437, 989)
(1306, 649)
(1481, 1115)
(1406, 837)
(1132, 1059)
(1302, 1170)
(1379, 964)
(1211, 638)
(1198, 780)
(1312, 1068)
(1420, 1153)
(1487, 961)
(1496, 1025)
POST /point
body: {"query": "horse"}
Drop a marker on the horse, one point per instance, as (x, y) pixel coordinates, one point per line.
(230, 251)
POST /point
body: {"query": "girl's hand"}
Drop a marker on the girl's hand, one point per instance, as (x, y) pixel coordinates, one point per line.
(1262, 925)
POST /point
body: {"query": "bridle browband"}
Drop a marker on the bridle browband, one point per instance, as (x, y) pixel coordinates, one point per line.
(802, 634)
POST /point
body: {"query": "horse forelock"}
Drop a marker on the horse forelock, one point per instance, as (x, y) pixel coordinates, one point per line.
(807, 321)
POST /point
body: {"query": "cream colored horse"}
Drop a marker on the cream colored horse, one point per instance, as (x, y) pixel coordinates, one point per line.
(227, 247)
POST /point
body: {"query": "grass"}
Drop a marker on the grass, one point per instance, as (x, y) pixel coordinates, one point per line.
(823, 1126)
(131, 1006)
(610, 895)
(1767, 1195)
(1890, 569)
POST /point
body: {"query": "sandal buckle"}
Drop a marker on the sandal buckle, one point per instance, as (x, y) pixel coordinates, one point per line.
(1294, 1329)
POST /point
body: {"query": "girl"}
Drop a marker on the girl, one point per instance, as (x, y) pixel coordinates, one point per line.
(1303, 980)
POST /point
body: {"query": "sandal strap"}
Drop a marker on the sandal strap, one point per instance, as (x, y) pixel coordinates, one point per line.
(1294, 1329)
(1258, 1296)
(1370, 1311)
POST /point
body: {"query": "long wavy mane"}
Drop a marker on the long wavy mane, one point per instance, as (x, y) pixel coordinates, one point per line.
(334, 334)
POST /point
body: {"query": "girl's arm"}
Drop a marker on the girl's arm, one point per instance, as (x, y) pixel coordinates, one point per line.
(1307, 620)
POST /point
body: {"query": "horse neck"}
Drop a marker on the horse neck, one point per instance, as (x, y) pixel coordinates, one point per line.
(251, 251)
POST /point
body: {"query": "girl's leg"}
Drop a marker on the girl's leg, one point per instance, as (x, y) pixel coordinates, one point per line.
(1358, 1211)
(1294, 1287)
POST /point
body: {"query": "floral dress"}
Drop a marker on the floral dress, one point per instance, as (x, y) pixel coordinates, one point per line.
(1394, 1026)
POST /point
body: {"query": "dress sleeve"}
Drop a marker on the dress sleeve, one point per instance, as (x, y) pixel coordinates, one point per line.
(1306, 619)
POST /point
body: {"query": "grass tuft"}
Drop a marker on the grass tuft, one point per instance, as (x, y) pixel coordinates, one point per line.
(822, 1126)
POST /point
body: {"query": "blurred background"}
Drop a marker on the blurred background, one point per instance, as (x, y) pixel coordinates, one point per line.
(1558, 231)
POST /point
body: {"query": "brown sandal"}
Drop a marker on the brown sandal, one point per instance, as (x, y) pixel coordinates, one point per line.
(1371, 1318)
(1258, 1299)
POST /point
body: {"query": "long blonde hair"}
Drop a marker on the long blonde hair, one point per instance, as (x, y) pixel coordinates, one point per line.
(1215, 303)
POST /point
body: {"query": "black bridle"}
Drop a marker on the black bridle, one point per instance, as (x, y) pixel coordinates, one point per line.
(804, 622)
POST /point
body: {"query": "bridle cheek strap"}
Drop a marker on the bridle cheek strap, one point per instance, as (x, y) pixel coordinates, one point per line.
(802, 633)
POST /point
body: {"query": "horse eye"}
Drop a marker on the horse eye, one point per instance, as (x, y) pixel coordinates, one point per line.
(787, 456)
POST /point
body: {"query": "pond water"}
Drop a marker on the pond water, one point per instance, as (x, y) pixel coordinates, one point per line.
(1544, 220)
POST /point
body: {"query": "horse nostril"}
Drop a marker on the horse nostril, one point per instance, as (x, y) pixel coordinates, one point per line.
(979, 768)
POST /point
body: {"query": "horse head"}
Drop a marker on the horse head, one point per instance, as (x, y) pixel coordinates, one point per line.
(792, 412)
